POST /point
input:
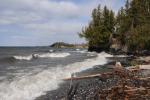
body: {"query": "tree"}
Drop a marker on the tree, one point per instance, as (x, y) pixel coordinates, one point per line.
(98, 31)
(133, 22)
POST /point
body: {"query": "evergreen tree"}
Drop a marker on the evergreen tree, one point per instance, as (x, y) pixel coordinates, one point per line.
(133, 22)
(112, 21)
(122, 25)
(132, 25)
(98, 31)
(139, 33)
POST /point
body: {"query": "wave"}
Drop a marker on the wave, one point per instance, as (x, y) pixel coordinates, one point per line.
(31, 86)
(23, 57)
(77, 49)
(51, 50)
(53, 55)
(121, 56)
(80, 51)
(91, 54)
(7, 60)
(44, 55)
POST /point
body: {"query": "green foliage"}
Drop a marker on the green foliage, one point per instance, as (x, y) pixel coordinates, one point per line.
(98, 31)
(139, 38)
(132, 25)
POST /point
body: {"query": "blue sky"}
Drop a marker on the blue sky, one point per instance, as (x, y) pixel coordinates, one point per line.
(42, 22)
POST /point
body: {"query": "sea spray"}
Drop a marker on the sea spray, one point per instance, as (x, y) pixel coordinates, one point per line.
(28, 87)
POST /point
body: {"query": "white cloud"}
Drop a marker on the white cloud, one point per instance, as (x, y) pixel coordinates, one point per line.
(14, 17)
(60, 27)
(48, 16)
(40, 6)
(43, 16)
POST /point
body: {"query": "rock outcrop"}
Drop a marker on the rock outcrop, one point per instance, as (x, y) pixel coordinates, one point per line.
(67, 45)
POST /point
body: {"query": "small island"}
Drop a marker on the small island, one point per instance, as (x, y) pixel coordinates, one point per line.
(67, 45)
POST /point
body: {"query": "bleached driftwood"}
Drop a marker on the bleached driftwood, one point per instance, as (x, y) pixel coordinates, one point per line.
(89, 76)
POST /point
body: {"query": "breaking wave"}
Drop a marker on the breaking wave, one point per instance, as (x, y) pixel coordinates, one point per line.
(81, 51)
(53, 55)
(44, 55)
(23, 57)
(31, 86)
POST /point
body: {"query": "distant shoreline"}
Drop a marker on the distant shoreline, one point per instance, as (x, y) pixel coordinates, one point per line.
(68, 45)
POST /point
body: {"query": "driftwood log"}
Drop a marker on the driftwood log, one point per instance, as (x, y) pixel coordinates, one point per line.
(123, 89)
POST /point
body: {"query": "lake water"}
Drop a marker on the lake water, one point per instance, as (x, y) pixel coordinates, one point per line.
(28, 72)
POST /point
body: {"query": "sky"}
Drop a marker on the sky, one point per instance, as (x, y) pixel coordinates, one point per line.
(43, 22)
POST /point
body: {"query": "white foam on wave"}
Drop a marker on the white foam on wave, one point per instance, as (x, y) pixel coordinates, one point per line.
(23, 57)
(44, 55)
(121, 56)
(51, 50)
(77, 49)
(31, 86)
(53, 55)
(80, 51)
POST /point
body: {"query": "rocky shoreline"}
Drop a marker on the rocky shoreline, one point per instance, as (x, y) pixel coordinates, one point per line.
(100, 88)
(82, 86)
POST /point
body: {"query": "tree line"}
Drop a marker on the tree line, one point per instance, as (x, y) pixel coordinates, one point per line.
(131, 24)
